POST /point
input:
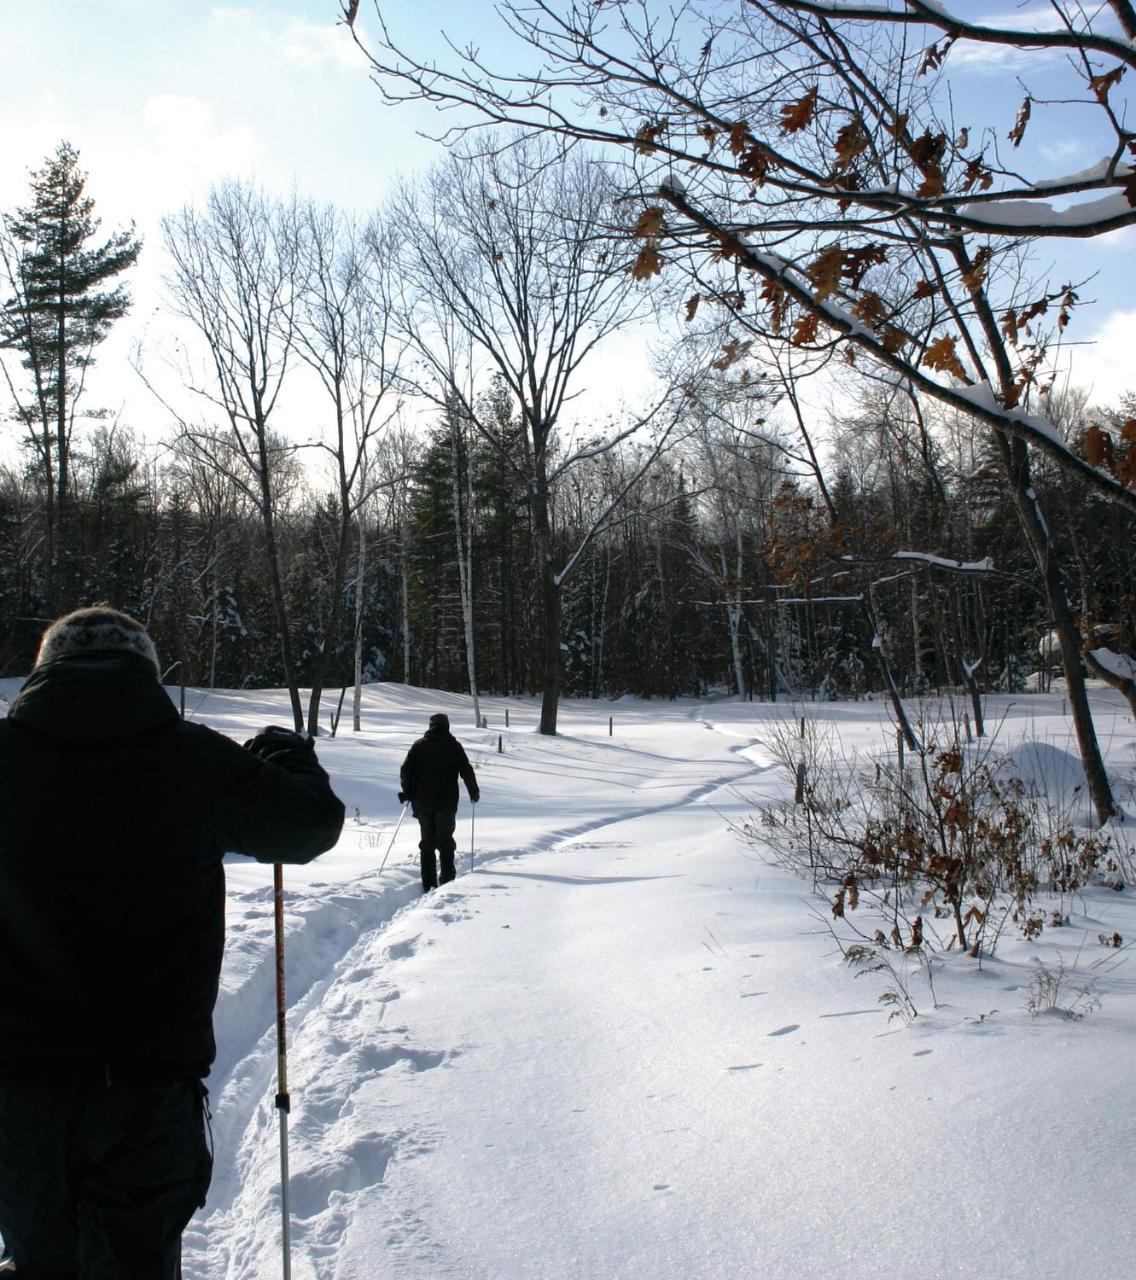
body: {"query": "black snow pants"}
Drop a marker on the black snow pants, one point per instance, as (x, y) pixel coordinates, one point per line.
(98, 1181)
(436, 829)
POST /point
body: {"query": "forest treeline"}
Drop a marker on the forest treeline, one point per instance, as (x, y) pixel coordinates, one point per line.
(449, 527)
(721, 573)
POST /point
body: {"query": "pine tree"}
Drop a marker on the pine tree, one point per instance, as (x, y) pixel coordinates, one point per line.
(59, 305)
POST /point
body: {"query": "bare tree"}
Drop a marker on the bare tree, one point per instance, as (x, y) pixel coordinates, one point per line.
(461, 449)
(234, 278)
(201, 467)
(343, 333)
(510, 270)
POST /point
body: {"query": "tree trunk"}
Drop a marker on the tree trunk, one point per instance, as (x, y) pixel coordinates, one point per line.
(405, 604)
(360, 581)
(61, 443)
(889, 681)
(1016, 462)
(465, 565)
(550, 607)
(331, 627)
(1124, 685)
(281, 609)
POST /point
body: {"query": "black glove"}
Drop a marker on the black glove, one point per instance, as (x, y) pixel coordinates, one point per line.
(474, 797)
(276, 743)
(402, 797)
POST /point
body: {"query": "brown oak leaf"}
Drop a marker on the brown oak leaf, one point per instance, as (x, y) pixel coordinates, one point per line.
(976, 276)
(851, 142)
(732, 352)
(647, 264)
(799, 115)
(1101, 84)
(977, 175)
(778, 302)
(1018, 132)
(753, 163)
(650, 222)
(825, 271)
(646, 136)
(805, 330)
(870, 308)
(942, 357)
(1097, 447)
(935, 55)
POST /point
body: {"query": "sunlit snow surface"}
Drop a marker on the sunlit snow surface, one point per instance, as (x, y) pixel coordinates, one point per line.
(625, 1046)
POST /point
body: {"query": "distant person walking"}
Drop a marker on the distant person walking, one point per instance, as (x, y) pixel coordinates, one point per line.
(115, 818)
(429, 777)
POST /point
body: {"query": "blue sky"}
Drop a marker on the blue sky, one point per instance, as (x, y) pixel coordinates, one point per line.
(164, 97)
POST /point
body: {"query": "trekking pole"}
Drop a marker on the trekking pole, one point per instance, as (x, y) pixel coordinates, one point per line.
(283, 1102)
(393, 837)
(472, 821)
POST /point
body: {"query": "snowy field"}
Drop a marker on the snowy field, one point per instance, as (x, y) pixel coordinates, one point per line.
(624, 1045)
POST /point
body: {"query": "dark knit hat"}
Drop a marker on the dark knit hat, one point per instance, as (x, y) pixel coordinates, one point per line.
(96, 630)
(439, 720)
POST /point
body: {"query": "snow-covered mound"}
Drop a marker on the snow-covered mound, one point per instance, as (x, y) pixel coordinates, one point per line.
(1045, 769)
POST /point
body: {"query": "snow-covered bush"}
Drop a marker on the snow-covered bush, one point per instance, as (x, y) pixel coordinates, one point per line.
(956, 833)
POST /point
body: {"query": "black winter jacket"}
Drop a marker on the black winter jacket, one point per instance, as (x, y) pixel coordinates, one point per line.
(429, 774)
(114, 818)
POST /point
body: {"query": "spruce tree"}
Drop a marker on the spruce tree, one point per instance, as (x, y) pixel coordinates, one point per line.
(59, 304)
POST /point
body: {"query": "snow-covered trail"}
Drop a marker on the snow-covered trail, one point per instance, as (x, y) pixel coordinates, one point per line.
(334, 932)
(624, 1048)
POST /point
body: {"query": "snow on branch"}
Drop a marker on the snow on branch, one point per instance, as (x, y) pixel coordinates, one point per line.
(1119, 665)
(931, 14)
(954, 566)
(978, 402)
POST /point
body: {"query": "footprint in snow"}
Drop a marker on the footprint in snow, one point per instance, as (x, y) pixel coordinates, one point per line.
(376, 1059)
(785, 1031)
(362, 1164)
(745, 1066)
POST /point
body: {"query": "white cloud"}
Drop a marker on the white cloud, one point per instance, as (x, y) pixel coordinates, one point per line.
(190, 146)
(1122, 240)
(1103, 365)
(311, 43)
(1063, 152)
(269, 36)
(992, 59)
(1038, 17)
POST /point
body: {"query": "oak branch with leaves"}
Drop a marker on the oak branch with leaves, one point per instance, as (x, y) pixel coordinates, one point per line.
(799, 170)
(817, 185)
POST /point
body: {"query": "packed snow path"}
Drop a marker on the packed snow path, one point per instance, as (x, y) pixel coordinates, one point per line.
(624, 1047)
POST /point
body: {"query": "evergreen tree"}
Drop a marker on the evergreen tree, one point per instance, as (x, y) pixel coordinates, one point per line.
(59, 305)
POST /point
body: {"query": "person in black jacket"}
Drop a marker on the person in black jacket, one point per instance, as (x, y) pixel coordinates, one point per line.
(429, 777)
(115, 816)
